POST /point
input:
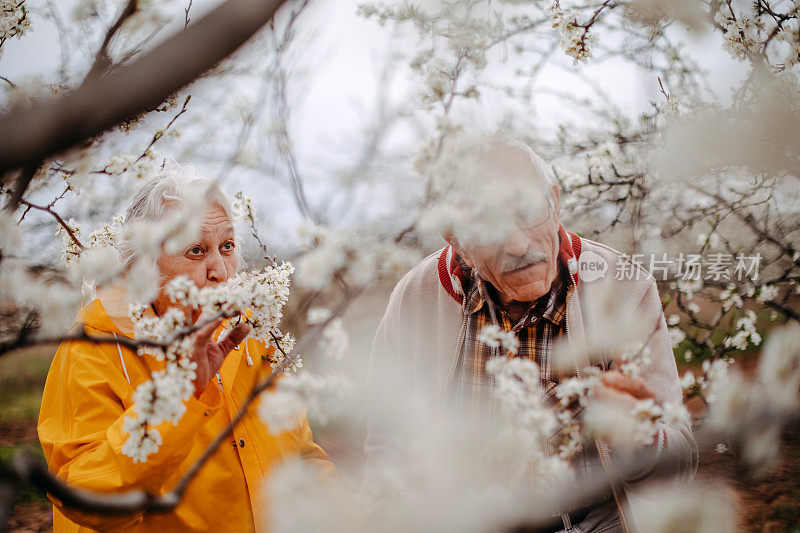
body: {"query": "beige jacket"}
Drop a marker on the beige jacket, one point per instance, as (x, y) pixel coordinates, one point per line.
(423, 329)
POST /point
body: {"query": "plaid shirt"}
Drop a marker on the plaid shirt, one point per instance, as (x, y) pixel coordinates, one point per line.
(538, 331)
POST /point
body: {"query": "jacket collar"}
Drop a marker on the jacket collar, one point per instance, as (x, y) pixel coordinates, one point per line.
(452, 275)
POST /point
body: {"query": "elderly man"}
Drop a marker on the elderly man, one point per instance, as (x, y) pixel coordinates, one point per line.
(89, 390)
(527, 282)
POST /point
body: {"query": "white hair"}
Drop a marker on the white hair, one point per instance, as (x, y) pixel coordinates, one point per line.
(161, 195)
(540, 168)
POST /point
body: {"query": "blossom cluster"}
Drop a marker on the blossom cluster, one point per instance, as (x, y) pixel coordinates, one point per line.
(494, 336)
(576, 40)
(325, 396)
(243, 208)
(746, 332)
(14, 20)
(519, 393)
(466, 37)
(753, 410)
(741, 34)
(137, 167)
(254, 297)
(358, 259)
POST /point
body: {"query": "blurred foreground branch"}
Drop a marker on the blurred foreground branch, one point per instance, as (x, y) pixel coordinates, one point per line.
(101, 102)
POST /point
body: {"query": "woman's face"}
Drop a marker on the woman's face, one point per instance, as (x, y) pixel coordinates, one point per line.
(210, 259)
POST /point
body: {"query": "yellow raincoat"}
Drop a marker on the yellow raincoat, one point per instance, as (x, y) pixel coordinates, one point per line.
(87, 397)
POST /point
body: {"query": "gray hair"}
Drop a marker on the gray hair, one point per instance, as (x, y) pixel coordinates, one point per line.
(160, 196)
(540, 168)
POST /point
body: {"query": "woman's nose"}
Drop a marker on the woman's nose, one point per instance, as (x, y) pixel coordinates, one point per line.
(215, 268)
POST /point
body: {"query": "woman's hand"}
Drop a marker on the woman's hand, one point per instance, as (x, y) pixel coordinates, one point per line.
(210, 355)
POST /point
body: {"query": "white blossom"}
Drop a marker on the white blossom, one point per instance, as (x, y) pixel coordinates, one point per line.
(141, 441)
(243, 208)
(779, 367)
(281, 411)
(745, 332)
(676, 336)
(767, 293)
(258, 296)
(318, 315)
(689, 286)
(14, 19)
(730, 297)
(688, 381)
(335, 341)
(741, 35)
(576, 41)
(494, 336)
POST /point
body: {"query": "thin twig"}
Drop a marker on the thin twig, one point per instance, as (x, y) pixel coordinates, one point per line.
(160, 133)
(102, 61)
(187, 19)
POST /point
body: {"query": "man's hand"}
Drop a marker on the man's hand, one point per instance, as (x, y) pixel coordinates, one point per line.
(618, 391)
(209, 355)
(619, 388)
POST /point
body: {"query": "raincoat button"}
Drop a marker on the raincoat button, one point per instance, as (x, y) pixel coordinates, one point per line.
(238, 347)
(207, 413)
(234, 444)
(241, 443)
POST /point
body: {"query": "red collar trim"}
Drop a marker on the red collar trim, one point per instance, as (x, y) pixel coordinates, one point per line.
(451, 274)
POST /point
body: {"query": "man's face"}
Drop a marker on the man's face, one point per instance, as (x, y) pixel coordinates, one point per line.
(210, 259)
(523, 267)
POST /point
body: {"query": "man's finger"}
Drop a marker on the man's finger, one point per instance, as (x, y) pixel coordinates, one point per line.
(605, 394)
(633, 386)
(237, 335)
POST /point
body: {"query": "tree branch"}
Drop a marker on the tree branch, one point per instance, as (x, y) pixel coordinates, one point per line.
(52, 126)
(102, 61)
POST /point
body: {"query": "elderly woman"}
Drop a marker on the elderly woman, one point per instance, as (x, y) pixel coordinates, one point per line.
(89, 391)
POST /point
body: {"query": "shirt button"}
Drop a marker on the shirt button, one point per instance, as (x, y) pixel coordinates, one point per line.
(241, 443)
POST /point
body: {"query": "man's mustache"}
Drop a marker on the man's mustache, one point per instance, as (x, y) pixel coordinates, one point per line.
(516, 262)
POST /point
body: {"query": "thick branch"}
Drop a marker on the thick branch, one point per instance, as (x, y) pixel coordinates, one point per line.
(52, 126)
(102, 61)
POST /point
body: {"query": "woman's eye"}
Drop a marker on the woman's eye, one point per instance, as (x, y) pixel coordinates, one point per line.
(228, 246)
(195, 251)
